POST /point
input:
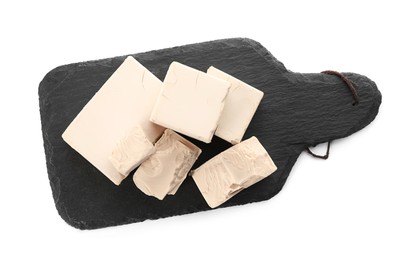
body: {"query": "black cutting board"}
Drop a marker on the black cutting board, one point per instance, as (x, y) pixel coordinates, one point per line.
(297, 111)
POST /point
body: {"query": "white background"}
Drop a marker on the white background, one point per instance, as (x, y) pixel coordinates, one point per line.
(356, 205)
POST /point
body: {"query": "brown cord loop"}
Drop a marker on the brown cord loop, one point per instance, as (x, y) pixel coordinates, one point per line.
(347, 81)
(326, 156)
(351, 87)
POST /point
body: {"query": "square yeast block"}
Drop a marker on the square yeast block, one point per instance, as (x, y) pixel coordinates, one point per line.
(233, 170)
(190, 102)
(164, 171)
(241, 104)
(124, 101)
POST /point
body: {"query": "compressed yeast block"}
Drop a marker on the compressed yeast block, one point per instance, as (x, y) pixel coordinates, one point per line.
(233, 170)
(131, 151)
(241, 104)
(164, 171)
(124, 101)
(190, 102)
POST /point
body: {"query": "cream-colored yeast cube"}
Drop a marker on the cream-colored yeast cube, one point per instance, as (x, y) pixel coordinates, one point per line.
(164, 171)
(124, 101)
(190, 102)
(131, 151)
(241, 104)
(233, 170)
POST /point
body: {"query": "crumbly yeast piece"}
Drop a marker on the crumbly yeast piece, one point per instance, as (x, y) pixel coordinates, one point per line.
(164, 171)
(233, 170)
(131, 151)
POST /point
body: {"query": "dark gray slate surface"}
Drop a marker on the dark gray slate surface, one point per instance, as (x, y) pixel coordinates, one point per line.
(298, 110)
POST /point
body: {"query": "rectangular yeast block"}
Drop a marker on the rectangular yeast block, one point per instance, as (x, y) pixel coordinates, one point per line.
(233, 170)
(131, 151)
(190, 102)
(124, 101)
(241, 104)
(164, 171)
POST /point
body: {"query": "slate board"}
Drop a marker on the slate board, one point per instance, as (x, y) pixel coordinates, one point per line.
(297, 111)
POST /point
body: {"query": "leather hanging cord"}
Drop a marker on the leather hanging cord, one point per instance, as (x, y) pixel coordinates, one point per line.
(347, 81)
(326, 156)
(351, 87)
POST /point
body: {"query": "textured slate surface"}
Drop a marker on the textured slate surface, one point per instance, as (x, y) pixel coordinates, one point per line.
(298, 110)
